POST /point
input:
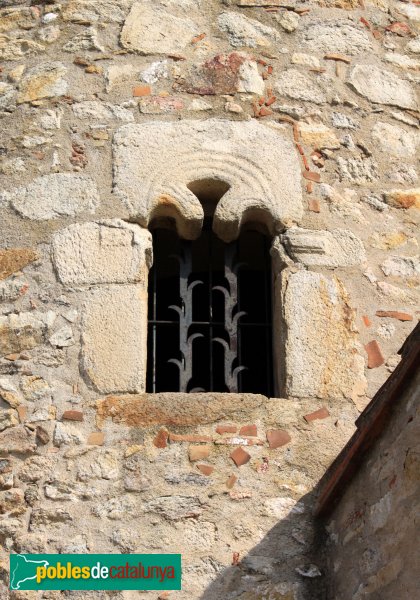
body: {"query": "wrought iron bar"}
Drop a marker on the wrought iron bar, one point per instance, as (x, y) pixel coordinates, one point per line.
(185, 312)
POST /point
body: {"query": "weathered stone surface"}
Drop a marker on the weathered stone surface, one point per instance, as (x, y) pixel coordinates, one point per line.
(48, 516)
(338, 36)
(86, 40)
(8, 418)
(289, 21)
(8, 96)
(23, 331)
(102, 111)
(394, 140)
(357, 170)
(402, 266)
(403, 61)
(17, 48)
(17, 439)
(306, 60)
(381, 86)
(143, 30)
(103, 252)
(9, 393)
(318, 136)
(114, 338)
(89, 11)
(243, 31)
(118, 74)
(63, 337)
(43, 81)
(15, 259)
(259, 166)
(336, 248)
(176, 409)
(328, 364)
(299, 86)
(175, 508)
(57, 195)
(403, 198)
(414, 45)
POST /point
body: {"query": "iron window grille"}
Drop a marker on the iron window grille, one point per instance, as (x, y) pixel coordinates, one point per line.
(209, 314)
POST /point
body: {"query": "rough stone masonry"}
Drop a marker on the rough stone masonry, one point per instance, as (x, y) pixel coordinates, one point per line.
(307, 111)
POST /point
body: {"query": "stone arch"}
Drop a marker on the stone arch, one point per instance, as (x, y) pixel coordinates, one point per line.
(157, 165)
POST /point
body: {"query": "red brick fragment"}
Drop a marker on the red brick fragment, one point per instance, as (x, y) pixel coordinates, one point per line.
(205, 469)
(226, 429)
(248, 430)
(401, 29)
(394, 314)
(72, 415)
(198, 38)
(271, 101)
(296, 134)
(305, 162)
(309, 187)
(314, 205)
(312, 176)
(301, 151)
(240, 457)
(141, 90)
(173, 437)
(269, 69)
(366, 321)
(235, 559)
(161, 439)
(375, 358)
(261, 101)
(339, 57)
(277, 438)
(22, 412)
(96, 438)
(366, 23)
(265, 112)
(322, 413)
(231, 481)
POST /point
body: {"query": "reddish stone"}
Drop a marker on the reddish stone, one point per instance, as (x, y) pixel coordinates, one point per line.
(375, 358)
(219, 75)
(198, 452)
(339, 57)
(248, 430)
(314, 205)
(401, 29)
(96, 438)
(277, 438)
(312, 176)
(271, 101)
(231, 481)
(240, 457)
(205, 469)
(235, 559)
(322, 413)
(198, 38)
(42, 436)
(394, 314)
(141, 90)
(22, 412)
(161, 439)
(15, 259)
(72, 415)
(226, 429)
(367, 321)
(173, 437)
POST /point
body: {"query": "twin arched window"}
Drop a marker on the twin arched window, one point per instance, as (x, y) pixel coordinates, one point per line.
(209, 313)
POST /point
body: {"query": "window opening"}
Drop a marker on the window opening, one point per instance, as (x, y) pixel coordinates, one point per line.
(209, 325)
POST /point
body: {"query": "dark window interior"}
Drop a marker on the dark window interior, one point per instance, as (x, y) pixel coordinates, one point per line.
(198, 346)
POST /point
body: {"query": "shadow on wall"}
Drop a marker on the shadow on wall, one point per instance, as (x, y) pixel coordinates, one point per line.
(285, 565)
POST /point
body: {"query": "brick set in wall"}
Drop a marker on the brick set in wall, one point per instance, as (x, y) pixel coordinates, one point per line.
(334, 81)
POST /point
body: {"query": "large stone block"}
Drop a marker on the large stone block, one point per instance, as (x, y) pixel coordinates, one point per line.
(337, 248)
(381, 86)
(156, 165)
(114, 326)
(103, 252)
(149, 29)
(316, 332)
(54, 196)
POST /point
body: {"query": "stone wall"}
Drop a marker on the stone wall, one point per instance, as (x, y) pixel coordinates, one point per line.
(372, 541)
(306, 111)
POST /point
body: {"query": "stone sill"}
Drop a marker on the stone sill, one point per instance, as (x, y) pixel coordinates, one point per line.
(177, 409)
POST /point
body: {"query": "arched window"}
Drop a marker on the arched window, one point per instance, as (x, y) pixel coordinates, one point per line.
(209, 313)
